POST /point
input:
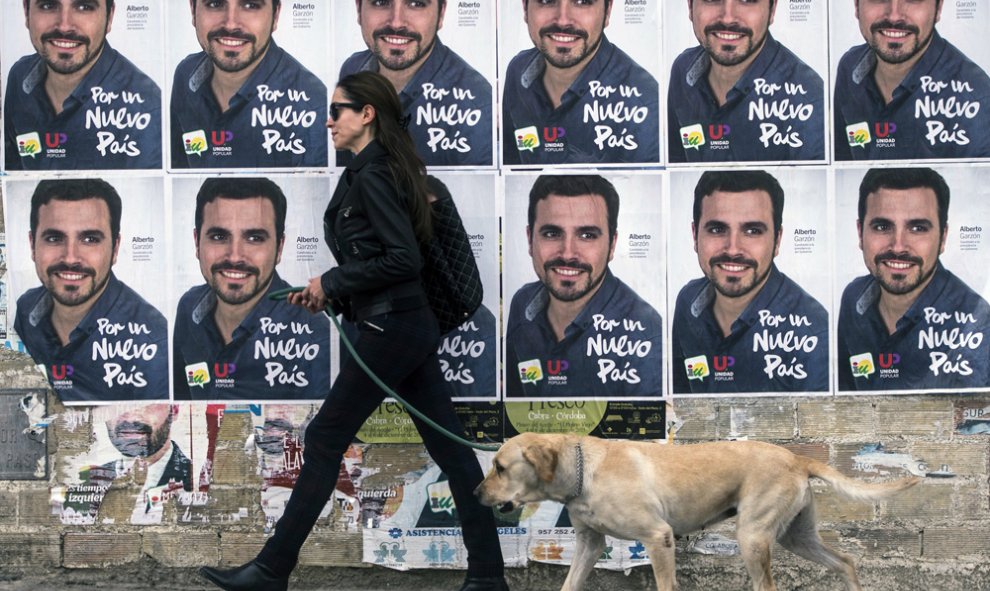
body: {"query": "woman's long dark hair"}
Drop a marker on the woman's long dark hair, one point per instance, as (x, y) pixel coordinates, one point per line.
(371, 88)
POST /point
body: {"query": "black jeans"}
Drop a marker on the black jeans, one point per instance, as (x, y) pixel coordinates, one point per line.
(399, 347)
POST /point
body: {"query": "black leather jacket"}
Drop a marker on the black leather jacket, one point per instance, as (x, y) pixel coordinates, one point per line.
(370, 234)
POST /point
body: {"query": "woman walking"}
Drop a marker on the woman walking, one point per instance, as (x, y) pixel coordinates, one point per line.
(375, 224)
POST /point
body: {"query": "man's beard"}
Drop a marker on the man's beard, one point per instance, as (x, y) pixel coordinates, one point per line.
(732, 58)
(219, 60)
(896, 287)
(571, 293)
(895, 56)
(137, 439)
(733, 286)
(240, 294)
(59, 66)
(397, 60)
(73, 295)
(566, 59)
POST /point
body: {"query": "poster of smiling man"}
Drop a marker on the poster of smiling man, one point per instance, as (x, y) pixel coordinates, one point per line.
(83, 90)
(571, 96)
(749, 313)
(746, 80)
(236, 240)
(247, 84)
(914, 315)
(584, 283)
(910, 79)
(87, 277)
(440, 57)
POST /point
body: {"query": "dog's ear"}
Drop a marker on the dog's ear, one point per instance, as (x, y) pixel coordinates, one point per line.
(544, 459)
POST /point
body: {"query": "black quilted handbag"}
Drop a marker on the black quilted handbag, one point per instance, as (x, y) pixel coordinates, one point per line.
(450, 273)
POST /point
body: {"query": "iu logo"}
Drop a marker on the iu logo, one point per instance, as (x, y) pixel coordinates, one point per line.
(224, 370)
(221, 137)
(723, 362)
(717, 132)
(888, 360)
(54, 140)
(552, 134)
(61, 372)
(556, 366)
(884, 128)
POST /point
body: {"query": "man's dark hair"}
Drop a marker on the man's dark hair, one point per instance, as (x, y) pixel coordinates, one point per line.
(900, 179)
(573, 185)
(242, 188)
(739, 181)
(77, 190)
(27, 4)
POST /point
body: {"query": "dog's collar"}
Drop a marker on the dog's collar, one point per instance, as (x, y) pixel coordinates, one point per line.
(579, 486)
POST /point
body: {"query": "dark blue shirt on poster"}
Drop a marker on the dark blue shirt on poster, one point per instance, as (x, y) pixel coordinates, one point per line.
(112, 119)
(276, 120)
(279, 351)
(450, 108)
(610, 114)
(613, 348)
(774, 112)
(778, 344)
(941, 342)
(118, 351)
(940, 110)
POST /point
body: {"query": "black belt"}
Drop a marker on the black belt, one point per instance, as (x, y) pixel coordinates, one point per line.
(385, 306)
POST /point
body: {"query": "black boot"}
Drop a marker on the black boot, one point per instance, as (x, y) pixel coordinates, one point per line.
(485, 584)
(249, 577)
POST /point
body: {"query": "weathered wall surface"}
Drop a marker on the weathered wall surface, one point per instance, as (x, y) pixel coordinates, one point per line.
(934, 536)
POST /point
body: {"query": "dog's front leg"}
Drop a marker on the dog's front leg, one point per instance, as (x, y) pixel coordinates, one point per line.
(587, 551)
(660, 547)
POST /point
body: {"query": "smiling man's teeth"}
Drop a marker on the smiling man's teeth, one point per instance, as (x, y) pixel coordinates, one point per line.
(234, 274)
(568, 272)
(899, 265)
(231, 42)
(728, 36)
(397, 40)
(895, 33)
(65, 44)
(732, 268)
(71, 276)
(564, 38)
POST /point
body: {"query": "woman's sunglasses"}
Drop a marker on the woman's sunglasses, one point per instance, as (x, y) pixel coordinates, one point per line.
(336, 107)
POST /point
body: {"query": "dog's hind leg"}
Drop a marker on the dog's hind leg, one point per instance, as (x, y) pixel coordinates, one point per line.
(801, 537)
(587, 551)
(661, 550)
(755, 546)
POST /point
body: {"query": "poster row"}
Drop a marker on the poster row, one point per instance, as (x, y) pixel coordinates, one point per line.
(608, 287)
(184, 85)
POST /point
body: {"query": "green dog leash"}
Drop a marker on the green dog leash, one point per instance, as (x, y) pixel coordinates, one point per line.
(283, 294)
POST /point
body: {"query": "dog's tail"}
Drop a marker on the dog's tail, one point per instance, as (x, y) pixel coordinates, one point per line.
(857, 489)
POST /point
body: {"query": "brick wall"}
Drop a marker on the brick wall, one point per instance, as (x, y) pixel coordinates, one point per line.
(937, 531)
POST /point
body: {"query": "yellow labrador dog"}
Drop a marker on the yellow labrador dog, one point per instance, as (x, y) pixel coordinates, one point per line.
(651, 492)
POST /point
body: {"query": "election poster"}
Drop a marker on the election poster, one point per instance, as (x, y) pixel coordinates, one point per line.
(609, 111)
(87, 289)
(143, 461)
(248, 91)
(468, 354)
(277, 442)
(234, 242)
(440, 57)
(935, 100)
(750, 295)
(912, 308)
(769, 60)
(583, 282)
(87, 98)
